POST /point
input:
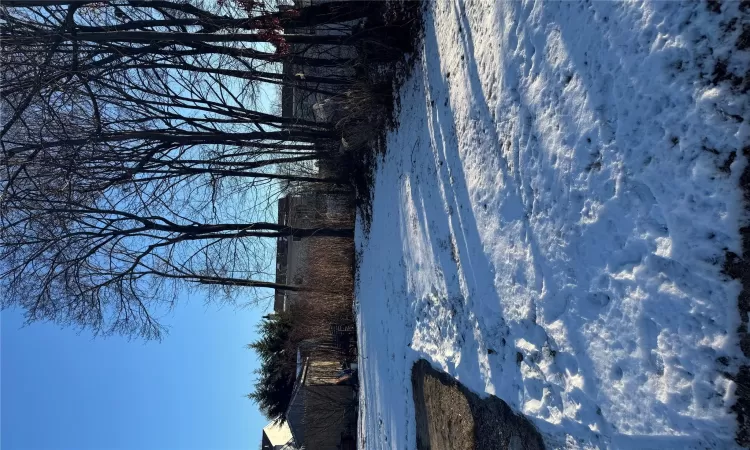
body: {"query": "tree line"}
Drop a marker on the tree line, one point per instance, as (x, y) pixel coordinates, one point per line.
(137, 155)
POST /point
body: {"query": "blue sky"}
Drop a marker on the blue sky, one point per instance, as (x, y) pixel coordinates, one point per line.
(65, 390)
(61, 390)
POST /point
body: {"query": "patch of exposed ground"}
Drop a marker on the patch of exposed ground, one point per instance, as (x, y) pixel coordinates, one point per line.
(450, 417)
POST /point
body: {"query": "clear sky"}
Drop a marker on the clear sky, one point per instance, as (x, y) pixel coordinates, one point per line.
(64, 390)
(60, 390)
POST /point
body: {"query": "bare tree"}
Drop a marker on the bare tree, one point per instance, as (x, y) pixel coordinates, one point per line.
(131, 164)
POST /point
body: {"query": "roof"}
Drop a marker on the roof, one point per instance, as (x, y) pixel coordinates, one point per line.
(296, 410)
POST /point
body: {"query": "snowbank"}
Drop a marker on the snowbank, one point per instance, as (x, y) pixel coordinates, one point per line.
(551, 219)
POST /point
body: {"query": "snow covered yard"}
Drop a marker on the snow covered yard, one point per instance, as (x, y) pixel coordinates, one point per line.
(551, 219)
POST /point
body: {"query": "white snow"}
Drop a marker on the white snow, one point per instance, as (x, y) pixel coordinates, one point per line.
(560, 188)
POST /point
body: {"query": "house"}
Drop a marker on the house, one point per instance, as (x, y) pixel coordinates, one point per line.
(277, 437)
(300, 103)
(294, 254)
(291, 252)
(322, 414)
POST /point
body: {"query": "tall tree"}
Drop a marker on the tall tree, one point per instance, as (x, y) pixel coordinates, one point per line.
(130, 164)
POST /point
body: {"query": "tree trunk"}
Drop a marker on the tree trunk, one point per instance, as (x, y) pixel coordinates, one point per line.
(242, 173)
(227, 281)
(179, 37)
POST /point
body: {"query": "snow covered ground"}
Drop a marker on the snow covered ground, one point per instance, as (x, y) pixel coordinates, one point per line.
(551, 218)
